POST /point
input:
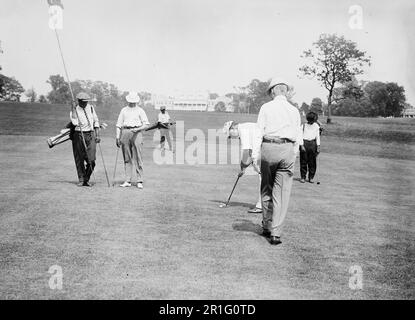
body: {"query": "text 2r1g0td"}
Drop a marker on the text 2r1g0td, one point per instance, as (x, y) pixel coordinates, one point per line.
(230, 309)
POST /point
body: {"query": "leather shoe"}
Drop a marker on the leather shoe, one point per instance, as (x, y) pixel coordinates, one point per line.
(310, 180)
(275, 240)
(302, 180)
(266, 233)
(86, 184)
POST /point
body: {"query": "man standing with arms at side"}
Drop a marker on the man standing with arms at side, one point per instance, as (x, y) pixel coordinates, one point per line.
(276, 147)
(86, 134)
(132, 120)
(164, 121)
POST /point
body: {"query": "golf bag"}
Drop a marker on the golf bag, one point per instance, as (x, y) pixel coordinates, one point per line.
(65, 135)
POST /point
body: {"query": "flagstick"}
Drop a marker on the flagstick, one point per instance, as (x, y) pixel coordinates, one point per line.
(73, 101)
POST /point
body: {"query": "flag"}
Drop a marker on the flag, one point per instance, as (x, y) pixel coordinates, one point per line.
(55, 3)
(55, 14)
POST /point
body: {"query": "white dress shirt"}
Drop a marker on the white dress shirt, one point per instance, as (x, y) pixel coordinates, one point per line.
(132, 117)
(278, 119)
(247, 132)
(164, 118)
(87, 124)
(311, 132)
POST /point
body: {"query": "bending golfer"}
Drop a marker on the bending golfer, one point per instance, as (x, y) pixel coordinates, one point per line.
(279, 135)
(86, 133)
(311, 149)
(246, 133)
(132, 120)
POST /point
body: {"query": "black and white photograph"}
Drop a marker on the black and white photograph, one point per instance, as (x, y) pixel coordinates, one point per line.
(196, 150)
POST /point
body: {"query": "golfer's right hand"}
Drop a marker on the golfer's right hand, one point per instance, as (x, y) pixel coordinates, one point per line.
(256, 167)
(118, 142)
(241, 173)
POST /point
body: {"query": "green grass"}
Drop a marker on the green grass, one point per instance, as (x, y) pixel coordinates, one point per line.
(171, 241)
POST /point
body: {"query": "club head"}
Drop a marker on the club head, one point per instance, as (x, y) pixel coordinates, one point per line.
(318, 182)
(222, 205)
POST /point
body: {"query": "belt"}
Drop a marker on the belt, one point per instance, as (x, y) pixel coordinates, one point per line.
(277, 140)
(127, 127)
(310, 140)
(83, 131)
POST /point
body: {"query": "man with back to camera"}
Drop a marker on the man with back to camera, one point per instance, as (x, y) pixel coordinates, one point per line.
(276, 146)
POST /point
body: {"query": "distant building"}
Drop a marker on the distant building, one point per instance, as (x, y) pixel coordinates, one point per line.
(408, 113)
(191, 102)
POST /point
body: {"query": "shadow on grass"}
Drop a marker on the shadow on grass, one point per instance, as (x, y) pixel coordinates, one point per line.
(236, 204)
(247, 226)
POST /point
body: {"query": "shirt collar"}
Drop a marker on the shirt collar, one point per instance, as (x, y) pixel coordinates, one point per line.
(280, 97)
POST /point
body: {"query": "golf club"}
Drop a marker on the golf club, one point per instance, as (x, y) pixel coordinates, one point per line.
(103, 163)
(318, 169)
(115, 167)
(223, 205)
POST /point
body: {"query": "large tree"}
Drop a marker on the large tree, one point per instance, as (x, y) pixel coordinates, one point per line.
(31, 94)
(60, 93)
(10, 89)
(333, 60)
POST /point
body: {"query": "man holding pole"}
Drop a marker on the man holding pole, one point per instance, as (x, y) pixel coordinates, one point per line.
(85, 138)
(132, 120)
(276, 145)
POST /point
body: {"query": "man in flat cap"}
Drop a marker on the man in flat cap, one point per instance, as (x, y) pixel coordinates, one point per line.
(276, 144)
(85, 137)
(132, 120)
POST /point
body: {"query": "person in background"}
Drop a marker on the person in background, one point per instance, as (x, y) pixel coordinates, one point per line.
(308, 154)
(164, 122)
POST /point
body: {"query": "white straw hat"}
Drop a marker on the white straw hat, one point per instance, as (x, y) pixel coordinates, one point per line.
(133, 97)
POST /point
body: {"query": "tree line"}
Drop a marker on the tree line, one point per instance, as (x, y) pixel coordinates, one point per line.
(333, 61)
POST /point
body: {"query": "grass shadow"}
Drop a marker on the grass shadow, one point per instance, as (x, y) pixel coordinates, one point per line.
(247, 226)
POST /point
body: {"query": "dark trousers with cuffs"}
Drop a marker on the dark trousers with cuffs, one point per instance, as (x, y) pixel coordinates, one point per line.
(84, 160)
(308, 159)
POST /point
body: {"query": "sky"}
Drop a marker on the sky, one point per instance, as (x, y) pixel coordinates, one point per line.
(189, 46)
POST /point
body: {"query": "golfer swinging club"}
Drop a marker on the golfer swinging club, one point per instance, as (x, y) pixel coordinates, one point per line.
(86, 128)
(246, 133)
(132, 120)
(277, 143)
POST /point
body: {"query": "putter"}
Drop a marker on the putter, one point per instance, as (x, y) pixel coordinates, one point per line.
(115, 167)
(103, 163)
(318, 169)
(224, 205)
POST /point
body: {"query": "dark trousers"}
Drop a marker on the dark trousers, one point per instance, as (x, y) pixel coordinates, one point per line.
(84, 160)
(308, 159)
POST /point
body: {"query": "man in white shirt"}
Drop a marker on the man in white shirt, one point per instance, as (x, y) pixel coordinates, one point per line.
(246, 133)
(86, 134)
(308, 155)
(132, 120)
(279, 125)
(164, 122)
